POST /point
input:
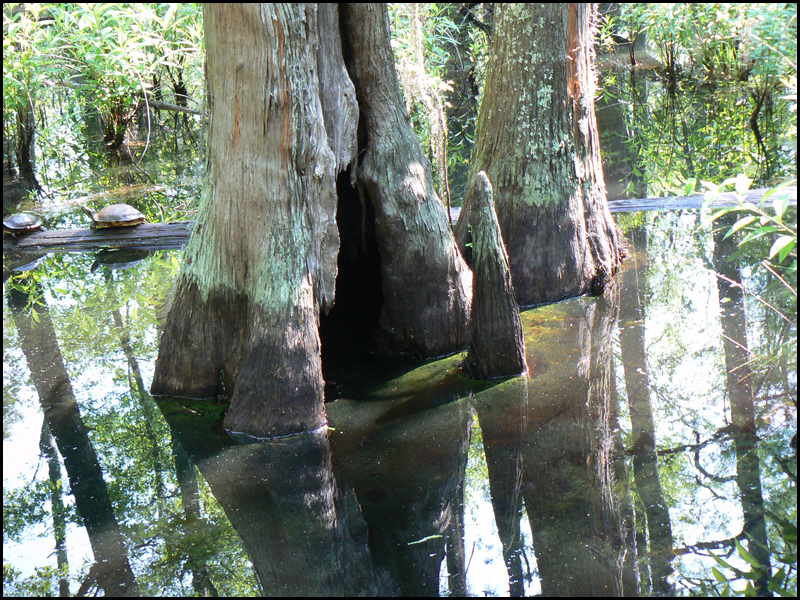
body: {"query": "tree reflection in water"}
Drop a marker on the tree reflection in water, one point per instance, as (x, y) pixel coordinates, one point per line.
(388, 500)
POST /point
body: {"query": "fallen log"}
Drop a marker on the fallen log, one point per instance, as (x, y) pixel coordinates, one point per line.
(679, 202)
(497, 346)
(172, 236)
(682, 202)
(147, 236)
(161, 105)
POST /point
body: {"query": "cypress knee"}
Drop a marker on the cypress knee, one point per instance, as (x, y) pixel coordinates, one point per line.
(497, 347)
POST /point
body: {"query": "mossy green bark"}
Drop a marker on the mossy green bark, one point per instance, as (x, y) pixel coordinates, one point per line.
(497, 347)
(261, 263)
(537, 141)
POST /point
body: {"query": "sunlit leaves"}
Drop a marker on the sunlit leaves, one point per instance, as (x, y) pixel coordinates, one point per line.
(728, 574)
(757, 222)
(109, 55)
(782, 247)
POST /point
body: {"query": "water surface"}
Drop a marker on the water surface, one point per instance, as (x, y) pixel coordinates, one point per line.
(643, 440)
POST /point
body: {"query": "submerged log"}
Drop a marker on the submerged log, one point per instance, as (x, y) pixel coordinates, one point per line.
(497, 348)
(173, 236)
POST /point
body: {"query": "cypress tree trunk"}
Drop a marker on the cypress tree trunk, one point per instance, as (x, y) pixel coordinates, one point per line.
(537, 141)
(427, 286)
(262, 261)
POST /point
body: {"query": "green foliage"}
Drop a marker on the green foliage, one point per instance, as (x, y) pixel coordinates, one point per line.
(778, 582)
(756, 222)
(632, 220)
(22, 43)
(106, 55)
(42, 584)
(447, 37)
(741, 117)
(722, 41)
(22, 506)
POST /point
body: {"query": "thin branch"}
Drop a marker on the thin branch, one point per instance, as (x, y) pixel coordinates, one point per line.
(745, 290)
(783, 281)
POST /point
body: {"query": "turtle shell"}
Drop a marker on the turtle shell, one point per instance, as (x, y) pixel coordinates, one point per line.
(116, 215)
(20, 223)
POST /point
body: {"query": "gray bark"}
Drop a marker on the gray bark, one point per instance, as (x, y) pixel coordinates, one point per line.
(262, 260)
(537, 141)
(497, 348)
(427, 286)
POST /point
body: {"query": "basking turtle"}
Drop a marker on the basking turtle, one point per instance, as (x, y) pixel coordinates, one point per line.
(21, 223)
(116, 215)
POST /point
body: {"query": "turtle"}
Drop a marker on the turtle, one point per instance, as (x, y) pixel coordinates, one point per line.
(21, 223)
(116, 215)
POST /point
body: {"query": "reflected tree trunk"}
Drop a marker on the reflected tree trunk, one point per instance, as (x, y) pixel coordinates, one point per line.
(502, 414)
(149, 409)
(634, 299)
(50, 453)
(184, 469)
(111, 570)
(574, 480)
(409, 484)
(202, 583)
(739, 379)
(454, 547)
(284, 503)
(303, 536)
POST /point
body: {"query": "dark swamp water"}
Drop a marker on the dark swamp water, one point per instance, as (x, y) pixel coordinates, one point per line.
(616, 468)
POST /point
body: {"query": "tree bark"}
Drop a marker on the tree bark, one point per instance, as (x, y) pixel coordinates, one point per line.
(427, 286)
(262, 260)
(497, 348)
(537, 141)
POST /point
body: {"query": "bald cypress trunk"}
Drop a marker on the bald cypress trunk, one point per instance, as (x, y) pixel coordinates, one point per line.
(537, 141)
(262, 262)
(427, 286)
